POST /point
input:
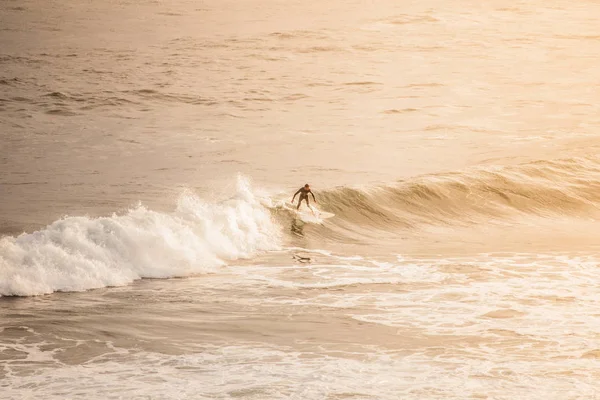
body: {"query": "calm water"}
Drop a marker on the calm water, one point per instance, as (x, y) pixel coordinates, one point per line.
(149, 151)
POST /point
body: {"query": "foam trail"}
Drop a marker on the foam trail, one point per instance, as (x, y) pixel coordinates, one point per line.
(79, 253)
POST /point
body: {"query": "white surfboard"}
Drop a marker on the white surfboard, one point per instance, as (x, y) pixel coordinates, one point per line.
(313, 214)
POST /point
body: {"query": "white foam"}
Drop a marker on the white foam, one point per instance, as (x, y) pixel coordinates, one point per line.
(340, 274)
(79, 253)
(326, 253)
(255, 371)
(543, 296)
(514, 326)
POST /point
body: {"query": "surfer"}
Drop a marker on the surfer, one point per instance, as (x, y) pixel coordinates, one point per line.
(304, 191)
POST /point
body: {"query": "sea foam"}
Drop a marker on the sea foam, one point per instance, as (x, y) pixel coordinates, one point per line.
(79, 253)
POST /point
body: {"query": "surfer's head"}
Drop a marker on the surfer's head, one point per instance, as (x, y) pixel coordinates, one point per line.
(306, 186)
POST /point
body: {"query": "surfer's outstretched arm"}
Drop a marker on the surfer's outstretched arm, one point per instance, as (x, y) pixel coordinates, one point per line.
(295, 194)
(313, 195)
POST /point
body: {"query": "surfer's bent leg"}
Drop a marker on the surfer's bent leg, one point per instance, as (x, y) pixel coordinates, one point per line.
(300, 201)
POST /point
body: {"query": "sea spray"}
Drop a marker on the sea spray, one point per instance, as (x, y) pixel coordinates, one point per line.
(79, 253)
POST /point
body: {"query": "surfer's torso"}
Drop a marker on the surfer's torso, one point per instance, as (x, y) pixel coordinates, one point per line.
(304, 192)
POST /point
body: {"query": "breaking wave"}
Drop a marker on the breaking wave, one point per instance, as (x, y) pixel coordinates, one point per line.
(568, 187)
(79, 253)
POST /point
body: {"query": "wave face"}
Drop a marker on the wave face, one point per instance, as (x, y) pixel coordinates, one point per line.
(79, 253)
(544, 188)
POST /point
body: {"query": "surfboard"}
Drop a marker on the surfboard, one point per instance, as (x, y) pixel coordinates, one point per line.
(313, 214)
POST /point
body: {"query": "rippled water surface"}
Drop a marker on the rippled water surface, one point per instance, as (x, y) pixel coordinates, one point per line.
(149, 151)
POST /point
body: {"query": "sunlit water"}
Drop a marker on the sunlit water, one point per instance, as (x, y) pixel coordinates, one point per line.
(149, 150)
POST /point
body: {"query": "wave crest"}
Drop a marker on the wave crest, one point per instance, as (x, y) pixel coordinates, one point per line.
(562, 187)
(79, 253)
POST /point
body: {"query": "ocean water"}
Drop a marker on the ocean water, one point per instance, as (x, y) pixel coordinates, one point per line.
(149, 151)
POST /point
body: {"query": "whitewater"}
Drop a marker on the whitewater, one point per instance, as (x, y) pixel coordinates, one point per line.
(79, 253)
